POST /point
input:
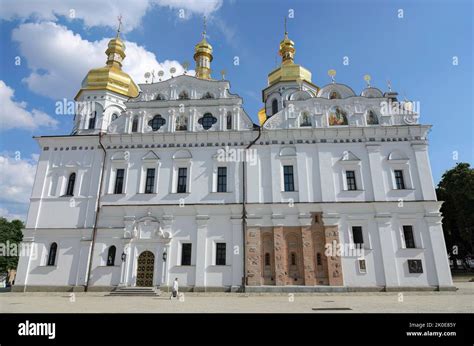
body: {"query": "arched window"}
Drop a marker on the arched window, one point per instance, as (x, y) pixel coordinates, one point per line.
(334, 95)
(305, 120)
(111, 256)
(92, 118)
(318, 259)
(274, 106)
(53, 249)
(157, 122)
(70, 185)
(337, 116)
(207, 95)
(183, 95)
(181, 122)
(229, 121)
(293, 259)
(114, 116)
(135, 124)
(372, 118)
(207, 121)
(160, 97)
(267, 259)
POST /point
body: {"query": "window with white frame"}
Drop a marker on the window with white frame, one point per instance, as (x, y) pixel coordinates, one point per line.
(149, 173)
(111, 256)
(220, 254)
(288, 178)
(351, 181)
(221, 179)
(70, 185)
(52, 253)
(118, 172)
(119, 181)
(362, 265)
(350, 167)
(357, 236)
(150, 180)
(399, 180)
(400, 170)
(408, 237)
(135, 124)
(182, 180)
(186, 249)
(288, 169)
(181, 172)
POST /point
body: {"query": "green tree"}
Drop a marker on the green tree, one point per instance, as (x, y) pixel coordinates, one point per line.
(10, 233)
(456, 189)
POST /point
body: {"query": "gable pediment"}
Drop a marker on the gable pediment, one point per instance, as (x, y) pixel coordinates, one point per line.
(348, 156)
(119, 156)
(150, 156)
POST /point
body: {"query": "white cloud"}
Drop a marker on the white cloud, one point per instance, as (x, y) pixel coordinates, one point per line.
(202, 7)
(11, 216)
(103, 13)
(14, 115)
(60, 59)
(17, 177)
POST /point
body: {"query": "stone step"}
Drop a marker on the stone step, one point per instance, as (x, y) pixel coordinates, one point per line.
(135, 291)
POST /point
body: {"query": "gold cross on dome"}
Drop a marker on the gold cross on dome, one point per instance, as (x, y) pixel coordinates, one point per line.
(204, 28)
(119, 18)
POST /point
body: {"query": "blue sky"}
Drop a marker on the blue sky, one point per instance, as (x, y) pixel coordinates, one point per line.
(415, 53)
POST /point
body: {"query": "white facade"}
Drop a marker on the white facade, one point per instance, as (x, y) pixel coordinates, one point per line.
(375, 147)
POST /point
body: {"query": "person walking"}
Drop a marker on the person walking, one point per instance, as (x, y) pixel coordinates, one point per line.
(174, 291)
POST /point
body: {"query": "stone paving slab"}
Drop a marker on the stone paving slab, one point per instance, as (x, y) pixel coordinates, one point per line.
(370, 302)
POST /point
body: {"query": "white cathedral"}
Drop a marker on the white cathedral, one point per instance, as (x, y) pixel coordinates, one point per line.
(332, 191)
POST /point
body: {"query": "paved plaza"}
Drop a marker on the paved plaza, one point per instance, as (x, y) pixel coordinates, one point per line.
(460, 301)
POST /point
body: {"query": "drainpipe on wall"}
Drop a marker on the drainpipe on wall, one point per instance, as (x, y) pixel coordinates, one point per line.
(244, 211)
(97, 211)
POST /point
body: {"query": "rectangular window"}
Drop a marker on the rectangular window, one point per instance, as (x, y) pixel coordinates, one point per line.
(135, 125)
(220, 254)
(222, 179)
(91, 124)
(288, 178)
(399, 182)
(357, 235)
(182, 177)
(186, 254)
(362, 266)
(351, 180)
(409, 239)
(150, 180)
(119, 181)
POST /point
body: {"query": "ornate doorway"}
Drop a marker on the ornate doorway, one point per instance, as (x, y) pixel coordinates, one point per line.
(145, 268)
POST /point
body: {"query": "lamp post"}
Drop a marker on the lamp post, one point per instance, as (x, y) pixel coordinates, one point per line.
(165, 256)
(123, 269)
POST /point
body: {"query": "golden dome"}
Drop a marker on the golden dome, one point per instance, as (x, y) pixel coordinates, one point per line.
(288, 70)
(262, 116)
(287, 50)
(203, 56)
(203, 48)
(111, 77)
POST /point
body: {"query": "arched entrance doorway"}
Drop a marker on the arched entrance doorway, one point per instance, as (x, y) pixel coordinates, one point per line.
(145, 268)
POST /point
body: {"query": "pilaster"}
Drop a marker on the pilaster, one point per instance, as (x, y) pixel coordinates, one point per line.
(253, 257)
(281, 271)
(201, 250)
